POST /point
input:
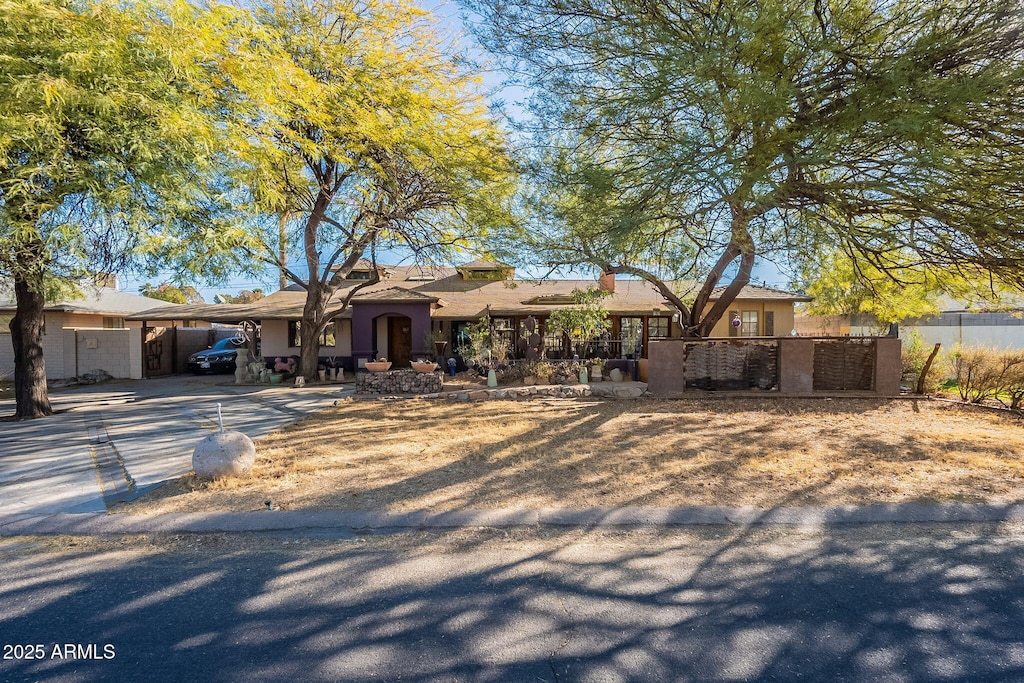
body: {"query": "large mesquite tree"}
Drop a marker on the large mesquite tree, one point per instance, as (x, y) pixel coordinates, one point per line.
(691, 136)
(384, 143)
(108, 144)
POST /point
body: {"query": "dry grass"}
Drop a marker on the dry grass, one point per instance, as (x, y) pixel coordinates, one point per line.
(406, 455)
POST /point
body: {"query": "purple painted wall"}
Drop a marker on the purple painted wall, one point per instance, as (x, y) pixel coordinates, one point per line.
(364, 315)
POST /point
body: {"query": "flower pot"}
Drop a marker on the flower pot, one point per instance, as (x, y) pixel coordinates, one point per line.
(276, 377)
(428, 366)
(378, 366)
(323, 375)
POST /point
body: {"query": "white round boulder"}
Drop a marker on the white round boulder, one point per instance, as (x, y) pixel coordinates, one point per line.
(223, 454)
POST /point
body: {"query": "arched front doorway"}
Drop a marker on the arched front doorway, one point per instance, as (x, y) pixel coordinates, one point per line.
(398, 329)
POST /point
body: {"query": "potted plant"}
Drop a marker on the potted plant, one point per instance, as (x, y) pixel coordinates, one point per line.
(421, 365)
(597, 370)
(380, 365)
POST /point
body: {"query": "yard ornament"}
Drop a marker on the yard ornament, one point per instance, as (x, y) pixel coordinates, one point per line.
(223, 454)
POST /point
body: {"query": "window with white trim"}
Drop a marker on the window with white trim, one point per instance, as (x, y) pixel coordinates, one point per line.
(748, 324)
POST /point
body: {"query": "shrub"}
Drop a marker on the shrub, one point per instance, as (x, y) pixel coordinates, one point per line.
(985, 374)
(974, 369)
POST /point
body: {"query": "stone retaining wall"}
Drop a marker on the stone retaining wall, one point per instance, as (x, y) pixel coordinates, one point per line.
(398, 382)
(603, 390)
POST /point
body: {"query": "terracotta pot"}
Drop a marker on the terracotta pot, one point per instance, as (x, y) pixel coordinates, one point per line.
(378, 366)
(428, 366)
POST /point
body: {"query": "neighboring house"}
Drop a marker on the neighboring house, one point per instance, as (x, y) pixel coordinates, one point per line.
(87, 333)
(401, 316)
(967, 325)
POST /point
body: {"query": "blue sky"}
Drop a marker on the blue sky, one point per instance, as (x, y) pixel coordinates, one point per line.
(512, 97)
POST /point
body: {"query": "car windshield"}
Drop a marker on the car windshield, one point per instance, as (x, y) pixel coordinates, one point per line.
(226, 344)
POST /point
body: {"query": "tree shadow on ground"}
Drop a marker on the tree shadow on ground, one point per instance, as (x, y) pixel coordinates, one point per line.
(850, 604)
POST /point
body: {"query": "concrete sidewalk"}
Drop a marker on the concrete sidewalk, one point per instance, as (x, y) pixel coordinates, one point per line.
(116, 440)
(325, 522)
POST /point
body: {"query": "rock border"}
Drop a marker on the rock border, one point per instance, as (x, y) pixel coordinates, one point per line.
(525, 393)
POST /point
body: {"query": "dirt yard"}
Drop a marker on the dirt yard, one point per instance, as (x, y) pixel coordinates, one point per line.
(412, 455)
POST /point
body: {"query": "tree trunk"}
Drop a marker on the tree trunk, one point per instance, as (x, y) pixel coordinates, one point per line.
(30, 392)
(312, 316)
(742, 245)
(729, 295)
(922, 380)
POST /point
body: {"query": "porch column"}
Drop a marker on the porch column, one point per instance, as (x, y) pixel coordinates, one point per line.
(666, 367)
(796, 365)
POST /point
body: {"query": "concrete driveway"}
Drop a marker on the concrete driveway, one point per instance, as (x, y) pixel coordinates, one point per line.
(114, 441)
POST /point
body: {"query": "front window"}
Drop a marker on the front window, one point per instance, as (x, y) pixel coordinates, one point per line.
(748, 324)
(111, 323)
(327, 337)
(657, 327)
(631, 331)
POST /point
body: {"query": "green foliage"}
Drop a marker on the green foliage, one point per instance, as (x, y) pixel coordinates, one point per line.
(245, 296)
(843, 286)
(368, 134)
(585, 320)
(106, 152)
(111, 148)
(175, 295)
(480, 339)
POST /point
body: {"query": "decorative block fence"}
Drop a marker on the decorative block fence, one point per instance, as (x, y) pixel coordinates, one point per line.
(398, 382)
(788, 365)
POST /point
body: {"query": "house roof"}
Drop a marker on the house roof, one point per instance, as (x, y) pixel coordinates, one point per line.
(104, 301)
(394, 294)
(462, 299)
(481, 264)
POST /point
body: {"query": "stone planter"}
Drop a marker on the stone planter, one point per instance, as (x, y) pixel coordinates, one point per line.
(428, 366)
(275, 378)
(404, 381)
(378, 366)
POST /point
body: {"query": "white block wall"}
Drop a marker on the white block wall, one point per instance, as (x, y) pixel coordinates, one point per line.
(119, 352)
(53, 349)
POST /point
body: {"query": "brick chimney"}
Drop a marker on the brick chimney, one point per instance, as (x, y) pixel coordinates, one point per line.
(607, 282)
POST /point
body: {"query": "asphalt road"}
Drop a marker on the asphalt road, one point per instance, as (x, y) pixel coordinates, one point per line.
(862, 603)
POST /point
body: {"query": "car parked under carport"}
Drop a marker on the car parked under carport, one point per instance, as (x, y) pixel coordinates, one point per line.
(218, 358)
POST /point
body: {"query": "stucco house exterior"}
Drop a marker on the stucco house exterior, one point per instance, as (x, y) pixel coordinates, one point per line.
(401, 316)
(87, 333)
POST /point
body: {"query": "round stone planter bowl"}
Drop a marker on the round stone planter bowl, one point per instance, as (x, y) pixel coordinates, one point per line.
(378, 366)
(428, 366)
(276, 378)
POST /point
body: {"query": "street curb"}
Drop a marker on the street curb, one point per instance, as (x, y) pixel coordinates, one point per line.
(86, 524)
